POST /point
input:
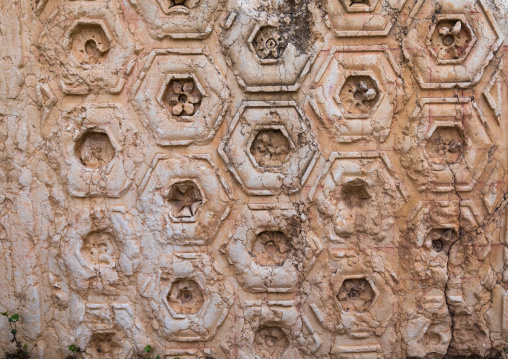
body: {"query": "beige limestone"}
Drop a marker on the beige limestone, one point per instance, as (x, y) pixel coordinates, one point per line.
(262, 179)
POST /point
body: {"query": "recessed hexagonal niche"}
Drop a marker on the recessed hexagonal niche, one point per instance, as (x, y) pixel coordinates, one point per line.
(101, 244)
(182, 97)
(358, 95)
(349, 296)
(88, 47)
(452, 54)
(356, 199)
(356, 294)
(265, 53)
(256, 152)
(347, 18)
(452, 142)
(190, 300)
(450, 39)
(269, 147)
(267, 250)
(283, 335)
(184, 198)
(267, 43)
(93, 147)
(178, 19)
(356, 92)
(185, 296)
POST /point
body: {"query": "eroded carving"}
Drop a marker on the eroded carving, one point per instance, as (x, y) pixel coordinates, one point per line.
(361, 17)
(265, 51)
(444, 49)
(355, 93)
(185, 297)
(271, 248)
(355, 197)
(450, 39)
(190, 300)
(88, 47)
(270, 342)
(185, 199)
(181, 96)
(269, 147)
(178, 19)
(96, 163)
(195, 199)
(94, 149)
(100, 250)
(356, 295)
(453, 154)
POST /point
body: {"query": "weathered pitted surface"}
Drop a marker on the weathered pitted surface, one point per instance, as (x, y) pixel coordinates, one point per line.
(263, 179)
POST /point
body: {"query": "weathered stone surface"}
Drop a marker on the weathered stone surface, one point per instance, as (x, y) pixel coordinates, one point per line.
(254, 179)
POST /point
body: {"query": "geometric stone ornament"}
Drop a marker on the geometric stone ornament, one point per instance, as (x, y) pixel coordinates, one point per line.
(264, 53)
(178, 19)
(355, 199)
(181, 97)
(449, 46)
(89, 47)
(101, 250)
(186, 296)
(346, 18)
(96, 163)
(268, 252)
(355, 93)
(269, 147)
(428, 333)
(452, 139)
(184, 198)
(348, 298)
(272, 329)
(493, 93)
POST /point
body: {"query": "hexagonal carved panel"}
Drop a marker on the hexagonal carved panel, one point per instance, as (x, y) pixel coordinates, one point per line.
(453, 47)
(88, 47)
(356, 92)
(451, 139)
(185, 199)
(181, 96)
(268, 45)
(269, 147)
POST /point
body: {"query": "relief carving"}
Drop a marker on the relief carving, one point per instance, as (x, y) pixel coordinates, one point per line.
(187, 297)
(266, 51)
(184, 198)
(283, 179)
(96, 160)
(356, 92)
(269, 147)
(451, 48)
(453, 155)
(178, 19)
(181, 97)
(88, 47)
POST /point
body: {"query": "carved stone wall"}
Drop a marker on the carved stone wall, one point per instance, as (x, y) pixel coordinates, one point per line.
(263, 179)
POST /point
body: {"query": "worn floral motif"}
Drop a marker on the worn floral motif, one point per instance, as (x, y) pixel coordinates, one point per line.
(182, 97)
(185, 199)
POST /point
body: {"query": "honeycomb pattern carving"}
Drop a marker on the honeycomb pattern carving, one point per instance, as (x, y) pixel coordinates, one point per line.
(258, 179)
